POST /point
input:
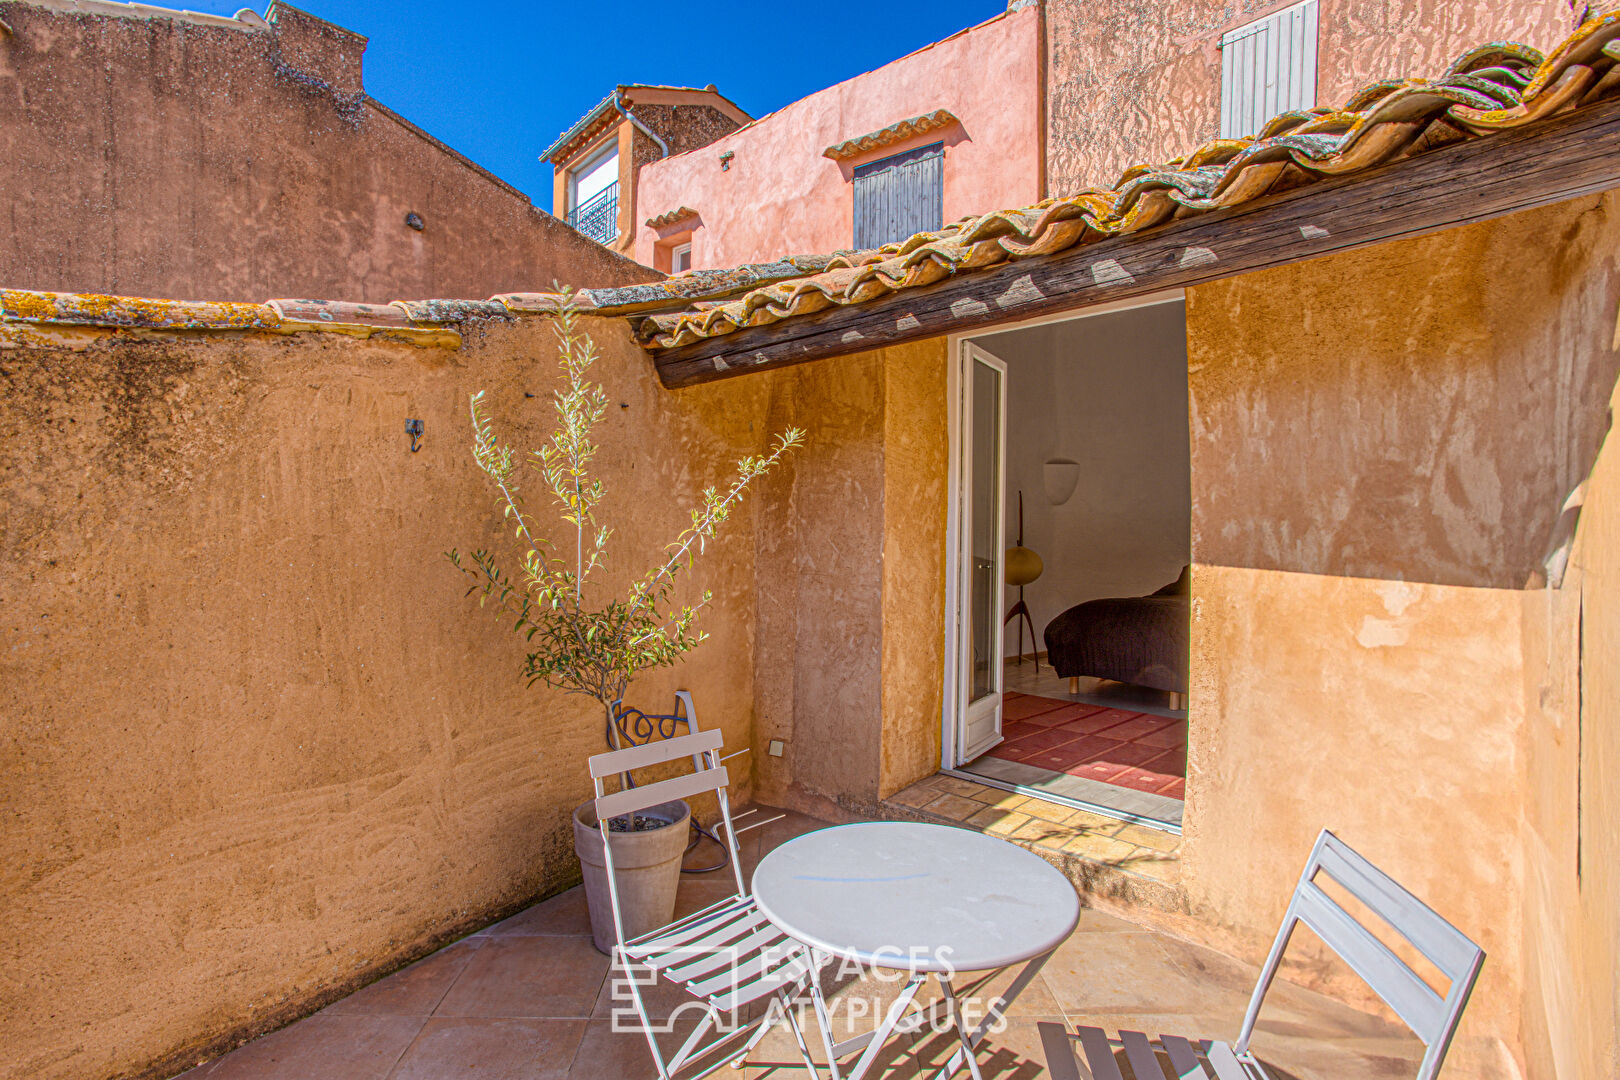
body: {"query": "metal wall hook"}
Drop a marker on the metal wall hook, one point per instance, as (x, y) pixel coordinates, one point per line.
(413, 428)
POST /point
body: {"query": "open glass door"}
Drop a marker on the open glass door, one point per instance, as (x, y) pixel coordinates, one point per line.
(979, 560)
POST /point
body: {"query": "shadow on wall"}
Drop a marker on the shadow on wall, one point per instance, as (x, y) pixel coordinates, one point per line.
(1423, 433)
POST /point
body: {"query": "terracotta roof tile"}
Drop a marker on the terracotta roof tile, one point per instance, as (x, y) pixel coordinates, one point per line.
(670, 217)
(1492, 88)
(888, 136)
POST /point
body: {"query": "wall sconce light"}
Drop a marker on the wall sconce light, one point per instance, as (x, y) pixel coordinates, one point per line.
(1060, 476)
(413, 428)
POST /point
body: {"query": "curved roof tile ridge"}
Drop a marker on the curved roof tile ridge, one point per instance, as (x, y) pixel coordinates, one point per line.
(1492, 87)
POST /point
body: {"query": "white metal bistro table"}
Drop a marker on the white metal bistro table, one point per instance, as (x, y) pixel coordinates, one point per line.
(920, 900)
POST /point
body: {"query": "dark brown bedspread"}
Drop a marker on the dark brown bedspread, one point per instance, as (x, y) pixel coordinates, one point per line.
(1136, 639)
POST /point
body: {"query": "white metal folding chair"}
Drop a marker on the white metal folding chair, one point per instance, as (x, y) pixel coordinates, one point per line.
(1431, 1016)
(728, 956)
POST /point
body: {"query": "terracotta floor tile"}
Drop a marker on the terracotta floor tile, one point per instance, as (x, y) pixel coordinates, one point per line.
(1024, 706)
(1172, 762)
(491, 1049)
(1109, 718)
(1046, 739)
(1059, 759)
(954, 807)
(998, 822)
(1046, 811)
(529, 977)
(1092, 748)
(1013, 1053)
(1170, 737)
(1096, 770)
(564, 913)
(1066, 714)
(1017, 729)
(1139, 726)
(1130, 753)
(1175, 789)
(608, 1054)
(415, 990)
(324, 1045)
(1140, 779)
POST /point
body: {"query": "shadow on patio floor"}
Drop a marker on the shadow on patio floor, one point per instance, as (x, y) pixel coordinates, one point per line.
(530, 998)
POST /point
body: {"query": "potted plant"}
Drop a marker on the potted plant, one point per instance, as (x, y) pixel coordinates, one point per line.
(583, 638)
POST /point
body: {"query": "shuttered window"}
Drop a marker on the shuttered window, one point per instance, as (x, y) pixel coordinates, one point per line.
(899, 196)
(1268, 67)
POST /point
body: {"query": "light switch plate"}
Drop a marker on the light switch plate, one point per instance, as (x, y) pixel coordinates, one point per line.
(774, 748)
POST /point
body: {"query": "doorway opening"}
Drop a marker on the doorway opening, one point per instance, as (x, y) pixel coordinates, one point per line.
(1068, 618)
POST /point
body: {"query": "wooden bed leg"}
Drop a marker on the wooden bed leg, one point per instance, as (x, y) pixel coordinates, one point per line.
(1177, 701)
(1074, 684)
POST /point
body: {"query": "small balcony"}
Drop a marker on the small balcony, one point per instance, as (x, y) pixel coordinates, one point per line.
(598, 218)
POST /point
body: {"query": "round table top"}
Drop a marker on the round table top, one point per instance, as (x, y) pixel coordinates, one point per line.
(920, 898)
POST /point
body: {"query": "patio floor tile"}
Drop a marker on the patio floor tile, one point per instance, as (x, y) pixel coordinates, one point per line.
(327, 1044)
(492, 1049)
(529, 977)
(415, 990)
(564, 913)
(528, 999)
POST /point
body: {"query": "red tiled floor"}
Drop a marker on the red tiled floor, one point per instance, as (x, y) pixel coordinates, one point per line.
(1129, 749)
(1023, 706)
(1017, 729)
(1046, 739)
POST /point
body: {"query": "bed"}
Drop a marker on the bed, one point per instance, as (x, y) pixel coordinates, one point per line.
(1130, 639)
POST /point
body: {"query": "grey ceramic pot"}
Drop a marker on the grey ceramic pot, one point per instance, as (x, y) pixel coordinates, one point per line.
(647, 870)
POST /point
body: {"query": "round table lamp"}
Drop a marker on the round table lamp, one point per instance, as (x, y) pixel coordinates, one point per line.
(1023, 566)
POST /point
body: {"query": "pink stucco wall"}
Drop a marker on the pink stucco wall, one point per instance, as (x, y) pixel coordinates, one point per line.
(781, 196)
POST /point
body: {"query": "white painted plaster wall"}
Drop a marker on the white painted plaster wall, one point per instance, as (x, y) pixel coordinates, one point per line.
(1109, 392)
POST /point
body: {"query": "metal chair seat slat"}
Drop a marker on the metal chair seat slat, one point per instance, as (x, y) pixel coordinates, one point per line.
(1099, 1054)
(1183, 1058)
(1225, 1063)
(701, 966)
(768, 954)
(1139, 1052)
(727, 924)
(1059, 1049)
(706, 916)
(786, 976)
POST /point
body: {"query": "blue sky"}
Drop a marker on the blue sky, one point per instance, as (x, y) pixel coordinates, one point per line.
(500, 81)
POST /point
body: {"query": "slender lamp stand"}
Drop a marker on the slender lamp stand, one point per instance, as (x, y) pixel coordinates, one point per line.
(1023, 566)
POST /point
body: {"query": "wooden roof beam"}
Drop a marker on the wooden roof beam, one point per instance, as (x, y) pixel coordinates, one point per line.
(1563, 158)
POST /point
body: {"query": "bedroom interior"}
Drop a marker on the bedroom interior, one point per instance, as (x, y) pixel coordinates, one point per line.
(1097, 504)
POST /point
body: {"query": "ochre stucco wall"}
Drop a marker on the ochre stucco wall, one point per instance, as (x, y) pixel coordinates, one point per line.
(914, 518)
(173, 157)
(1572, 896)
(257, 745)
(1382, 442)
(780, 196)
(850, 582)
(1130, 83)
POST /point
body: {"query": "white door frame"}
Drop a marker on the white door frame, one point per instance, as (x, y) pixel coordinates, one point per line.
(956, 344)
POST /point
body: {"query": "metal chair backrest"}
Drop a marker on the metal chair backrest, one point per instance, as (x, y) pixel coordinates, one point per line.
(1432, 1016)
(703, 747)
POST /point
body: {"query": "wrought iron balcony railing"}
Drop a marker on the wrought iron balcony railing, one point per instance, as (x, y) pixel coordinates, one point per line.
(599, 218)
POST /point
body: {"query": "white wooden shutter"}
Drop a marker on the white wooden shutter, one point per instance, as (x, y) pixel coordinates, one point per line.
(1268, 67)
